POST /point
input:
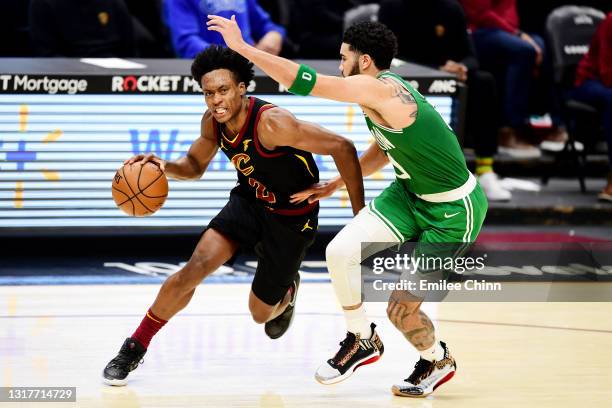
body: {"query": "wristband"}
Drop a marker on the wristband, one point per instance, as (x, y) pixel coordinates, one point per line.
(304, 81)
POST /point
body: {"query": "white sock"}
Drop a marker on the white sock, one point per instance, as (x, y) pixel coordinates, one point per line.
(357, 322)
(434, 353)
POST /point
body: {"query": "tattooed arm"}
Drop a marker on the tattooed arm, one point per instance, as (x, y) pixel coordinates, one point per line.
(405, 99)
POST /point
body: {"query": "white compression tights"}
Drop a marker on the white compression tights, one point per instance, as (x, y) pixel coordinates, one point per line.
(343, 254)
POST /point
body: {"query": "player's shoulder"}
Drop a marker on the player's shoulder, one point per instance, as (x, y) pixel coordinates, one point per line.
(362, 80)
(371, 85)
(275, 117)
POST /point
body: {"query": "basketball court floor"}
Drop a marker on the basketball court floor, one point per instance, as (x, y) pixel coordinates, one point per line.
(213, 355)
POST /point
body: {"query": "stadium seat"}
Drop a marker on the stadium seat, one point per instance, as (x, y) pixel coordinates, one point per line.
(364, 12)
(569, 30)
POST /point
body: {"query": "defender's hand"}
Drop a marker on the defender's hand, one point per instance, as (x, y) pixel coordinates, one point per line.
(228, 29)
(316, 192)
(143, 158)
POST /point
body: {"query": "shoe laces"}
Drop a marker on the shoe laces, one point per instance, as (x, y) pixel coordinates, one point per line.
(126, 358)
(346, 346)
(121, 361)
(421, 369)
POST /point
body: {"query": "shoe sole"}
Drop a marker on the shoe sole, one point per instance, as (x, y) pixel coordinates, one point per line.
(520, 153)
(348, 373)
(396, 390)
(115, 383)
(556, 147)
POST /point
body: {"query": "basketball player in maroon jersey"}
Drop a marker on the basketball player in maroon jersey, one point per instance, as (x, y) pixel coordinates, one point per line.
(271, 151)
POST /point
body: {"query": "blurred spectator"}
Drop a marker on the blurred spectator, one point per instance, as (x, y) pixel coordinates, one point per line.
(276, 9)
(186, 20)
(14, 29)
(81, 28)
(594, 85)
(151, 34)
(517, 60)
(318, 25)
(280, 12)
(439, 38)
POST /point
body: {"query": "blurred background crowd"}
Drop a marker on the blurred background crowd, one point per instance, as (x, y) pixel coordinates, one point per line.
(538, 73)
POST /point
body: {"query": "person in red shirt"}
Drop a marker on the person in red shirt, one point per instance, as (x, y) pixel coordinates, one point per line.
(594, 85)
(516, 59)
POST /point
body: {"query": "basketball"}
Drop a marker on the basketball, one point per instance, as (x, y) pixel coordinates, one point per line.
(140, 190)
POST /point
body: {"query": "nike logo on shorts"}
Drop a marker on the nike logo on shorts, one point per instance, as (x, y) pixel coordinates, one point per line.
(450, 215)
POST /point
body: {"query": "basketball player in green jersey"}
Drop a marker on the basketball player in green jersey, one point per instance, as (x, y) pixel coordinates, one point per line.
(434, 198)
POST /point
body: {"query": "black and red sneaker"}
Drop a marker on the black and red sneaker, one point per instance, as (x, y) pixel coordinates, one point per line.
(276, 327)
(354, 352)
(130, 355)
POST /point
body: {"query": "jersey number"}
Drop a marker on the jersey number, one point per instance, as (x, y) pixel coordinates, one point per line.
(262, 192)
(400, 171)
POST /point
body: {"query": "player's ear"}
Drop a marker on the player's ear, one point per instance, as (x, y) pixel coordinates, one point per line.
(242, 88)
(365, 61)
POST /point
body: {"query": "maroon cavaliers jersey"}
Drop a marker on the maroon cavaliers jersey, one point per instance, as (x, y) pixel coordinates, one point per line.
(268, 177)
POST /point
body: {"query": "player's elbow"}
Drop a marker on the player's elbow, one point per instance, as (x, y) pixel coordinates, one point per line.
(196, 169)
(344, 149)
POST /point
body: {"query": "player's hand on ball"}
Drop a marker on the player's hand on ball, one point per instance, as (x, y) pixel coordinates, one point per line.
(228, 29)
(144, 158)
(316, 192)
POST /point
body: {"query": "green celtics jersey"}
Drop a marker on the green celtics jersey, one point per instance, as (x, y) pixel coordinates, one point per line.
(426, 155)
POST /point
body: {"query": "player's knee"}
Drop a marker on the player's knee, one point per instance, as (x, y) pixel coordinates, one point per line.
(260, 316)
(182, 281)
(201, 262)
(198, 267)
(338, 254)
(332, 254)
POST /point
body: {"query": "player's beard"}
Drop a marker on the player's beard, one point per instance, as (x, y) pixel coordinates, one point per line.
(354, 70)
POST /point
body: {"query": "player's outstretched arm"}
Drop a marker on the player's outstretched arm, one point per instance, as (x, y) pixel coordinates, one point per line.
(299, 79)
(372, 160)
(278, 127)
(194, 164)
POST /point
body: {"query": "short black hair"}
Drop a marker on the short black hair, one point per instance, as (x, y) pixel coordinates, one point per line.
(374, 39)
(218, 57)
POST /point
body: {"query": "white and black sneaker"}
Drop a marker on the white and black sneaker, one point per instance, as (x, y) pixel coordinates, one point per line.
(427, 376)
(354, 352)
(276, 327)
(130, 355)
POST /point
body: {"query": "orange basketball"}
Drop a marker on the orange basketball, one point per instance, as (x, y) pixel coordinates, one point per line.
(140, 190)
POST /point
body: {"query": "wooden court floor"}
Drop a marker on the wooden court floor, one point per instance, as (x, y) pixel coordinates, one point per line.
(214, 355)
